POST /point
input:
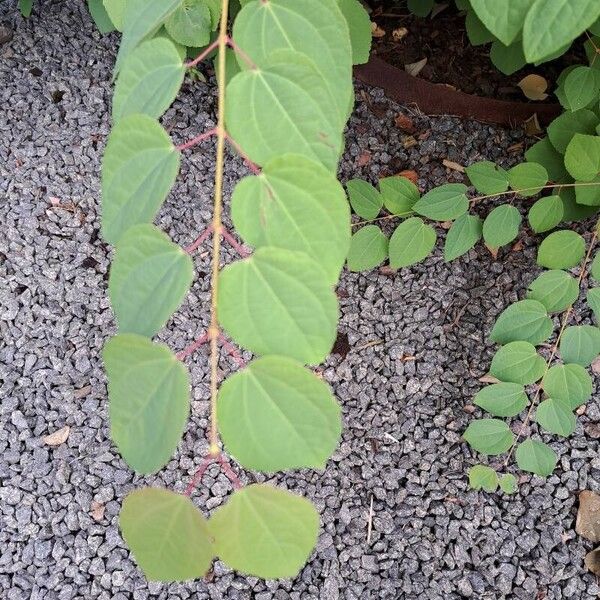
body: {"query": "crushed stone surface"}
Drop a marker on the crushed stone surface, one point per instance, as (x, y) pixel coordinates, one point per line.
(417, 346)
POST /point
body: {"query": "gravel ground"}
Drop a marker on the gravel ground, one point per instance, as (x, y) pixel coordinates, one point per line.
(401, 449)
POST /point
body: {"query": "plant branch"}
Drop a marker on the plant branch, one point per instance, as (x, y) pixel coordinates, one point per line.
(202, 55)
(192, 347)
(206, 462)
(232, 351)
(197, 140)
(250, 164)
(199, 240)
(234, 243)
(251, 64)
(229, 472)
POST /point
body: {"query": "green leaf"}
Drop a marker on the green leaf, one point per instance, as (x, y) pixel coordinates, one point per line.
(399, 195)
(546, 213)
(316, 28)
(483, 478)
(477, 32)
(582, 157)
(555, 289)
(580, 344)
(167, 534)
(365, 200)
(444, 203)
(550, 24)
(502, 399)
(100, 16)
(148, 391)
(141, 19)
(593, 300)
(462, 236)
(518, 362)
(508, 59)
(527, 179)
(504, 22)
(368, 249)
(581, 87)
(115, 10)
(149, 278)
(190, 24)
(574, 211)
(487, 177)
(275, 414)
(595, 268)
(565, 126)
(544, 153)
(561, 250)
(265, 531)
(25, 7)
(279, 302)
(149, 81)
(290, 111)
(508, 483)
(359, 24)
(536, 457)
(501, 226)
(588, 193)
(412, 241)
(570, 384)
(489, 436)
(556, 417)
(525, 321)
(139, 168)
(420, 8)
(295, 204)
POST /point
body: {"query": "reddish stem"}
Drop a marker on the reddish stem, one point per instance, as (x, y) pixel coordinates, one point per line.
(250, 164)
(197, 140)
(234, 243)
(193, 347)
(206, 462)
(237, 484)
(199, 240)
(202, 55)
(251, 64)
(232, 351)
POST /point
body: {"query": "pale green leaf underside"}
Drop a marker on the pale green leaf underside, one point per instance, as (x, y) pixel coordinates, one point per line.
(149, 278)
(502, 399)
(555, 289)
(115, 10)
(190, 24)
(526, 321)
(275, 414)
(279, 302)
(556, 417)
(139, 167)
(148, 391)
(580, 344)
(412, 241)
(561, 250)
(265, 531)
(536, 457)
(489, 436)
(359, 25)
(483, 478)
(569, 383)
(518, 362)
(167, 535)
(368, 249)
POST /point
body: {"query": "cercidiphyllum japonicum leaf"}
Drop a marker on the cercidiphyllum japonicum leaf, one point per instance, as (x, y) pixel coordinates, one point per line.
(504, 22)
(507, 59)
(527, 179)
(581, 87)
(573, 210)
(297, 204)
(593, 300)
(366, 201)
(316, 28)
(580, 344)
(115, 10)
(149, 81)
(588, 193)
(465, 232)
(167, 534)
(265, 531)
(148, 390)
(272, 110)
(368, 248)
(191, 23)
(139, 167)
(489, 436)
(412, 241)
(25, 7)
(518, 362)
(502, 399)
(536, 457)
(399, 195)
(444, 203)
(359, 24)
(582, 157)
(546, 213)
(550, 24)
(477, 32)
(279, 302)
(556, 416)
(595, 268)
(526, 320)
(571, 384)
(483, 478)
(501, 226)
(555, 289)
(275, 414)
(544, 153)
(487, 177)
(142, 18)
(100, 16)
(508, 483)
(565, 126)
(561, 250)
(149, 278)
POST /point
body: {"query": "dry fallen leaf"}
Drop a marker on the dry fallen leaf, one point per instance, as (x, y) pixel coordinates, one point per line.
(58, 437)
(469, 408)
(532, 126)
(518, 246)
(596, 365)
(97, 511)
(363, 159)
(399, 33)
(409, 141)
(450, 164)
(405, 123)
(376, 31)
(410, 175)
(82, 392)
(587, 524)
(592, 561)
(493, 251)
(415, 68)
(489, 379)
(534, 87)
